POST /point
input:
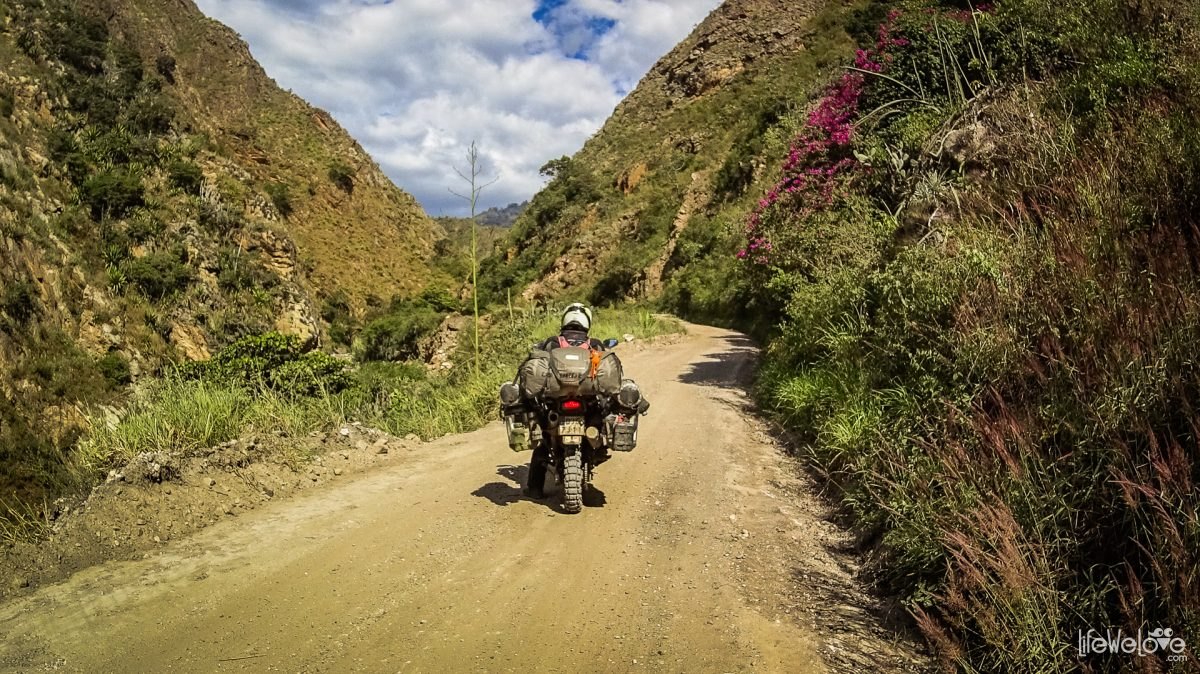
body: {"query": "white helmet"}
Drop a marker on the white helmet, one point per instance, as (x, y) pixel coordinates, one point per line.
(577, 314)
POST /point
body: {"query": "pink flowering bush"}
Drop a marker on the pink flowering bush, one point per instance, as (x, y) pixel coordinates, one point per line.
(820, 160)
(897, 105)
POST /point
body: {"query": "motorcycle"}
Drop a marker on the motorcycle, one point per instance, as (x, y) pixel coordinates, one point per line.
(578, 424)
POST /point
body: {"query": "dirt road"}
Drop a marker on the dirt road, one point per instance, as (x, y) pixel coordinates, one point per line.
(703, 551)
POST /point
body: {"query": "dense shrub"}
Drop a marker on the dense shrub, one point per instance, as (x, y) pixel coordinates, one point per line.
(343, 177)
(149, 114)
(312, 373)
(397, 335)
(20, 301)
(7, 103)
(216, 218)
(440, 299)
(276, 361)
(159, 275)
(337, 312)
(125, 71)
(112, 194)
(241, 271)
(281, 198)
(115, 369)
(164, 65)
(77, 39)
(143, 227)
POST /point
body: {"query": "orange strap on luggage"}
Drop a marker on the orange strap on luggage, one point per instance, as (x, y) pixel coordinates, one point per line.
(595, 364)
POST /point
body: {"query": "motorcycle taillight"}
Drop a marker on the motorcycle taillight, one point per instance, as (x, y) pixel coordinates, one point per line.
(572, 406)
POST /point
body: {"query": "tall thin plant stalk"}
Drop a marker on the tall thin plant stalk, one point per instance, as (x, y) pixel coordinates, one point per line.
(471, 177)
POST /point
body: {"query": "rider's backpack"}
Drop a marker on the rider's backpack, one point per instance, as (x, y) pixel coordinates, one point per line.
(583, 371)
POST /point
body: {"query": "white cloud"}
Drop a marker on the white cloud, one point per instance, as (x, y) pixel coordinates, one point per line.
(417, 81)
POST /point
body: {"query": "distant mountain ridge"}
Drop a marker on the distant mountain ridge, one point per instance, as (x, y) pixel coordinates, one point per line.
(505, 216)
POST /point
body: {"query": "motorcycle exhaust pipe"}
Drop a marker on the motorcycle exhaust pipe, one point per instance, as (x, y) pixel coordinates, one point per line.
(552, 417)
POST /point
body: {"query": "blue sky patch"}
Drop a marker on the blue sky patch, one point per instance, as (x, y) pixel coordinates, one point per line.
(545, 9)
(575, 31)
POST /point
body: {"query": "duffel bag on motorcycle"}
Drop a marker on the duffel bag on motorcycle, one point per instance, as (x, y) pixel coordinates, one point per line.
(570, 371)
(582, 372)
(534, 374)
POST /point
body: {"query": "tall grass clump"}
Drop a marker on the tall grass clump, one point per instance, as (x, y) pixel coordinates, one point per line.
(176, 416)
(980, 259)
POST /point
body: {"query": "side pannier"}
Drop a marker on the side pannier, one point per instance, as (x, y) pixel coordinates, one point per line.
(534, 374)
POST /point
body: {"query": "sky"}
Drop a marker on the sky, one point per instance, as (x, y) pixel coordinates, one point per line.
(415, 82)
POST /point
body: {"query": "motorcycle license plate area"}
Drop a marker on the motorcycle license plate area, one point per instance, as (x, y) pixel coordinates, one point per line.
(571, 430)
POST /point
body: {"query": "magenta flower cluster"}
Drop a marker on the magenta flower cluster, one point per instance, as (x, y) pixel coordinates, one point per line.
(819, 156)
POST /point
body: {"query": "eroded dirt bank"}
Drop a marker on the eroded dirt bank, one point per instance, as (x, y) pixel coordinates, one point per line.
(703, 551)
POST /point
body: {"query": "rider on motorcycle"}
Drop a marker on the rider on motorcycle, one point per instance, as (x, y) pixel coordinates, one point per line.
(576, 322)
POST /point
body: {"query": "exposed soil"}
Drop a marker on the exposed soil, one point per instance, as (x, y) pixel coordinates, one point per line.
(703, 550)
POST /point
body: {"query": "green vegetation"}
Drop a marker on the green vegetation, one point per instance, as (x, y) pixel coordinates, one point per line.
(281, 198)
(185, 177)
(241, 271)
(112, 194)
(272, 382)
(342, 176)
(159, 275)
(115, 369)
(141, 238)
(273, 361)
(337, 313)
(970, 380)
(19, 303)
(397, 335)
(164, 65)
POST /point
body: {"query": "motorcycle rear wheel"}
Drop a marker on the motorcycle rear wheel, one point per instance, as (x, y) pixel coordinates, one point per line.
(572, 483)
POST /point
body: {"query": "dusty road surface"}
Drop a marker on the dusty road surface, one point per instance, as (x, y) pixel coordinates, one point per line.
(702, 551)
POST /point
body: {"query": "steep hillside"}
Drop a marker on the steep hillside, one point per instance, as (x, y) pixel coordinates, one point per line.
(353, 228)
(612, 216)
(971, 247)
(161, 197)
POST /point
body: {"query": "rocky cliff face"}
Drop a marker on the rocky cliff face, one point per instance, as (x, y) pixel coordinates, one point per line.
(734, 38)
(160, 197)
